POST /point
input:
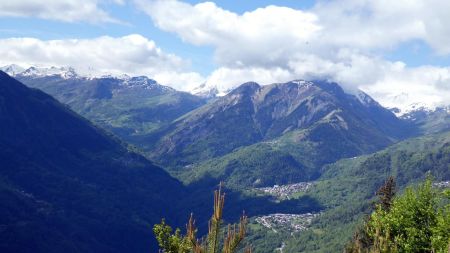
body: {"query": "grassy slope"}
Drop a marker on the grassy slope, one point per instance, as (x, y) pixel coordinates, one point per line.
(288, 159)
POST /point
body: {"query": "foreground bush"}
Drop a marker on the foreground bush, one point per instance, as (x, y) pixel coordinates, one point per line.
(416, 221)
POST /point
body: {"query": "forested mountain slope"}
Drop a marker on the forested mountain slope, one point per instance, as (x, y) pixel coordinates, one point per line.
(347, 187)
(66, 186)
(262, 135)
(131, 107)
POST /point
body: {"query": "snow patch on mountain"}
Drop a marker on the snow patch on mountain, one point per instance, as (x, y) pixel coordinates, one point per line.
(405, 110)
(365, 99)
(208, 91)
(69, 73)
(418, 111)
(63, 72)
(404, 103)
(400, 104)
(303, 83)
(12, 69)
(143, 82)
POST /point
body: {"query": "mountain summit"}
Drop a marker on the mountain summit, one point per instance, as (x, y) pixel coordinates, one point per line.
(316, 111)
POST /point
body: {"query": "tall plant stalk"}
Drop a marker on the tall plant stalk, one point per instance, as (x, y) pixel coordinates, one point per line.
(233, 237)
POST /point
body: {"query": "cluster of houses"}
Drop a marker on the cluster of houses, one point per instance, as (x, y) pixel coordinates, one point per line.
(284, 191)
(286, 222)
(443, 184)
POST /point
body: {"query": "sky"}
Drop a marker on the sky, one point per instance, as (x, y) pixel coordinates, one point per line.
(396, 51)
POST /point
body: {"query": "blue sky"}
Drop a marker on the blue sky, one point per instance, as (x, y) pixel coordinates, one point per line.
(413, 53)
(137, 22)
(384, 47)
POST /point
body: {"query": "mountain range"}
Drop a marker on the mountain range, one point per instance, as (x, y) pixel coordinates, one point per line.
(68, 185)
(429, 121)
(276, 133)
(130, 107)
(179, 130)
(85, 188)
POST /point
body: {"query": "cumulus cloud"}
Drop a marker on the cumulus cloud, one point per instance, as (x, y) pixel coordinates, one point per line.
(62, 10)
(183, 81)
(341, 41)
(335, 40)
(393, 84)
(272, 34)
(133, 54)
(400, 86)
(384, 24)
(225, 78)
(264, 37)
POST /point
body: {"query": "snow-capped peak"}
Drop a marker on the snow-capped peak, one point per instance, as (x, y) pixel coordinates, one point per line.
(121, 77)
(404, 103)
(64, 72)
(420, 111)
(206, 91)
(365, 99)
(420, 108)
(12, 69)
(414, 107)
(69, 72)
(142, 82)
(52, 71)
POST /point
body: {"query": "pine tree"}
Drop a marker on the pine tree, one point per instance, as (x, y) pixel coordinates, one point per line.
(175, 243)
(386, 194)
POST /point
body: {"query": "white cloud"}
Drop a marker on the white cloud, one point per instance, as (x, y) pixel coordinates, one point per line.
(62, 10)
(393, 84)
(133, 54)
(335, 40)
(184, 81)
(226, 78)
(264, 37)
(384, 23)
(271, 35)
(400, 86)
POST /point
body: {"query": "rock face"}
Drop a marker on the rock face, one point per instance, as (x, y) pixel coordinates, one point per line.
(66, 185)
(309, 111)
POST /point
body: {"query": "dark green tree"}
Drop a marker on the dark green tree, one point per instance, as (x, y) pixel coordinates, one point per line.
(386, 194)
